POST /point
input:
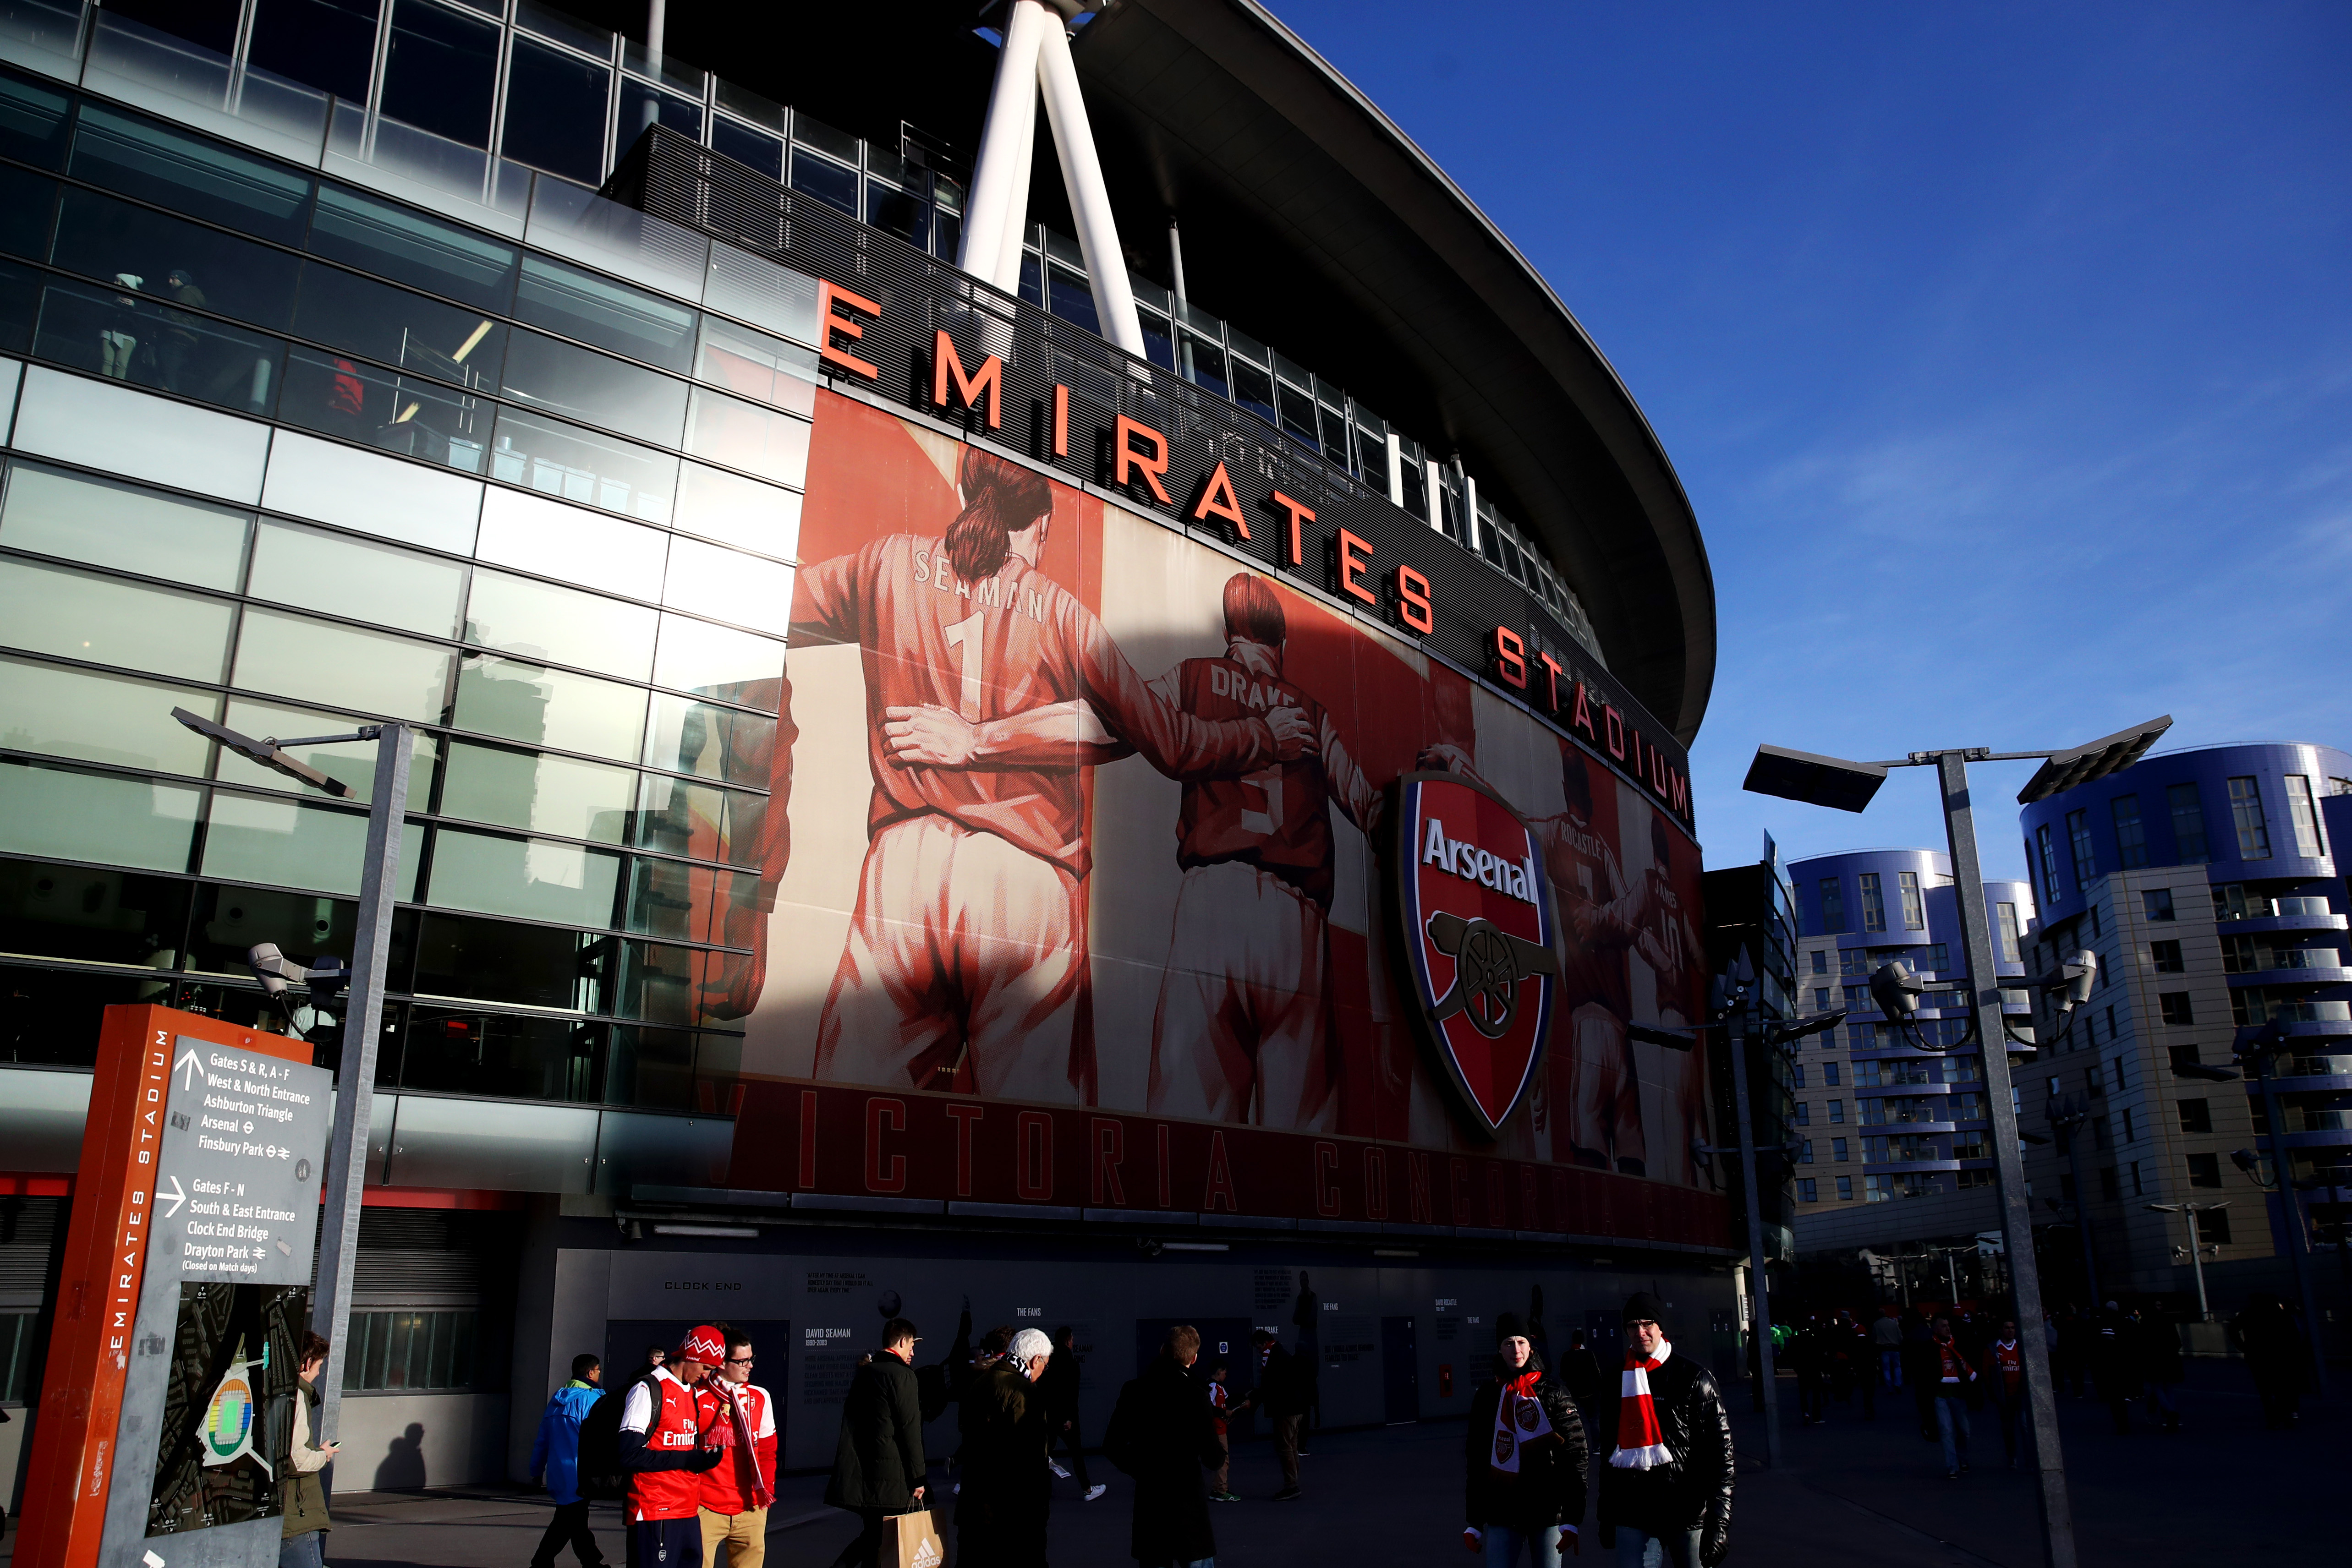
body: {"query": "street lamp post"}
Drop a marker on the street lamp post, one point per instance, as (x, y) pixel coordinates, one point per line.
(2189, 1211)
(1849, 785)
(2262, 1054)
(339, 1237)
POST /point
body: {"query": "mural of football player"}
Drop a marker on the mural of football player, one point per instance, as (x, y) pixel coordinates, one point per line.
(1669, 944)
(1241, 1029)
(966, 959)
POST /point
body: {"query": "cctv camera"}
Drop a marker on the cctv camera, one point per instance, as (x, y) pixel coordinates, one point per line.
(274, 969)
(2085, 974)
(2243, 1159)
(1897, 991)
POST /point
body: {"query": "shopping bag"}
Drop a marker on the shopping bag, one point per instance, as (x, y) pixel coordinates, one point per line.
(918, 1545)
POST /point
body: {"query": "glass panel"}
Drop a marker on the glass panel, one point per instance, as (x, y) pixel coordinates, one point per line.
(640, 103)
(595, 550)
(32, 119)
(1205, 363)
(826, 181)
(105, 621)
(689, 903)
(718, 661)
(901, 213)
(727, 585)
(121, 336)
(666, 984)
(730, 431)
(712, 824)
(766, 369)
(352, 761)
(557, 795)
(512, 1058)
(610, 315)
(325, 44)
(394, 241)
(190, 175)
(529, 878)
(1253, 390)
(540, 620)
(407, 414)
(307, 570)
(381, 495)
(290, 843)
(555, 111)
(738, 511)
(754, 150)
(573, 383)
(493, 961)
(28, 202)
(760, 292)
(580, 465)
(66, 815)
(98, 916)
(441, 72)
(539, 706)
(20, 302)
(398, 328)
(101, 718)
(1069, 297)
(725, 743)
(367, 671)
(651, 1067)
(171, 260)
(108, 523)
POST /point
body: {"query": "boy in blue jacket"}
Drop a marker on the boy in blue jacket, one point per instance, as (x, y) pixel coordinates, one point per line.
(556, 1453)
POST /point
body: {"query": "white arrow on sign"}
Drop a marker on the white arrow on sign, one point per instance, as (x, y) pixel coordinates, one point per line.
(175, 1194)
(189, 1059)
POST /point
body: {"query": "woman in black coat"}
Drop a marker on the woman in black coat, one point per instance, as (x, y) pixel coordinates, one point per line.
(1164, 1433)
(1524, 1485)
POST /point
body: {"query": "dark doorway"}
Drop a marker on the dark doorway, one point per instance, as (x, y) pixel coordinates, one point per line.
(1400, 1371)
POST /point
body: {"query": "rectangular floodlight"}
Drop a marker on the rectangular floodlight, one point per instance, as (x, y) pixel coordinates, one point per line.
(2084, 763)
(266, 753)
(1815, 780)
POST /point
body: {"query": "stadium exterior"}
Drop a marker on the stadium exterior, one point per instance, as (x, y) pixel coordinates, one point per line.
(922, 742)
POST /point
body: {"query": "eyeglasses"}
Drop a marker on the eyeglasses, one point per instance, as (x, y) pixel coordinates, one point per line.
(738, 1361)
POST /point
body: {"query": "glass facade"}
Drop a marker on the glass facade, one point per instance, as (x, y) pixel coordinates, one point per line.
(291, 455)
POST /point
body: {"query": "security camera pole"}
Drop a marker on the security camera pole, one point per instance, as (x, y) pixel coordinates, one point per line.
(338, 1239)
(1849, 785)
(2196, 1250)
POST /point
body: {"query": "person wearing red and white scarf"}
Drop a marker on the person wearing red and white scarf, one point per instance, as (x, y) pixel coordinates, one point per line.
(1667, 1484)
(1526, 1458)
(740, 1420)
(1953, 1376)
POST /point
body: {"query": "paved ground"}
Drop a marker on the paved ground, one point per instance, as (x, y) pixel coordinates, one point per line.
(1851, 1493)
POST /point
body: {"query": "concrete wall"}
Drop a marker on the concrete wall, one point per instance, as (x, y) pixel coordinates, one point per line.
(400, 1442)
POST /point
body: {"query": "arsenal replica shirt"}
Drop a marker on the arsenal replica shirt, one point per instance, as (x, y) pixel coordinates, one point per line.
(986, 649)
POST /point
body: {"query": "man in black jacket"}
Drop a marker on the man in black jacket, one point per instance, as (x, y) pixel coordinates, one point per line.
(1163, 1433)
(879, 1470)
(1282, 1391)
(1669, 1473)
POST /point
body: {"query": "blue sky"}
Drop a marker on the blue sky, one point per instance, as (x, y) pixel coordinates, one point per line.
(2005, 352)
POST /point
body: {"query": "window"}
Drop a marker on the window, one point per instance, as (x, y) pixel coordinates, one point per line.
(2213, 1226)
(2049, 858)
(1821, 961)
(2109, 1187)
(1837, 1111)
(1874, 903)
(2094, 1080)
(2182, 1055)
(1806, 1190)
(1830, 1073)
(1854, 963)
(325, 44)
(2195, 1115)
(1821, 995)
(442, 72)
(2129, 1135)
(1833, 906)
(2006, 919)
(1804, 1114)
(1796, 1075)
(1837, 1150)
(2246, 814)
(2204, 1170)
(2174, 1008)
(2138, 1190)
(2156, 903)
(2300, 811)
(410, 1350)
(1805, 1152)
(1915, 910)
(2188, 824)
(2078, 842)
(1878, 1189)
(2165, 957)
(2239, 955)
(1845, 1187)
(2131, 839)
(555, 112)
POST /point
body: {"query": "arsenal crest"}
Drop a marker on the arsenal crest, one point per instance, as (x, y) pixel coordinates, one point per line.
(1476, 924)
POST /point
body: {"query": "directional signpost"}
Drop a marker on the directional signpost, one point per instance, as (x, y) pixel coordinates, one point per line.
(185, 1297)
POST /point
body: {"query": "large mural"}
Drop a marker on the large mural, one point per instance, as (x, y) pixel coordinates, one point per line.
(1082, 813)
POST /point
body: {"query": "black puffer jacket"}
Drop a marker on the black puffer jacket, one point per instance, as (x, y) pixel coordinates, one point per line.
(1549, 1488)
(1692, 1491)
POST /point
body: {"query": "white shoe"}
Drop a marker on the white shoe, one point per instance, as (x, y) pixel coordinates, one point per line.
(1096, 1490)
(1059, 1473)
(958, 1489)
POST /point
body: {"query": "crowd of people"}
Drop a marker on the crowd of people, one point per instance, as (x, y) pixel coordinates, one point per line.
(688, 1445)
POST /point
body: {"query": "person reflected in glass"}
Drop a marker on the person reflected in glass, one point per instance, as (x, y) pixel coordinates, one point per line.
(176, 344)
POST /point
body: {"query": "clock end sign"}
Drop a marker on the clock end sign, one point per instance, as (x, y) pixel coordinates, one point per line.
(1478, 938)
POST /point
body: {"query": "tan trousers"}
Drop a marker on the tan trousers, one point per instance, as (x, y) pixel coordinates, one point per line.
(745, 1536)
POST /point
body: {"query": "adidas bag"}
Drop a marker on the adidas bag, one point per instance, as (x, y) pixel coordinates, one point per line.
(918, 1543)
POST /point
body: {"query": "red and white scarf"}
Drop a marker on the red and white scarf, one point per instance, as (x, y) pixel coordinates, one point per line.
(756, 1491)
(1641, 1442)
(1520, 1420)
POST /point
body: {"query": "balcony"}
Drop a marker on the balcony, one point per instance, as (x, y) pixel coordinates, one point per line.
(2303, 913)
(2297, 966)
